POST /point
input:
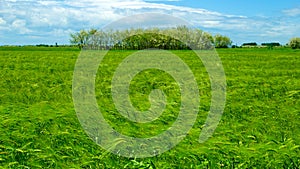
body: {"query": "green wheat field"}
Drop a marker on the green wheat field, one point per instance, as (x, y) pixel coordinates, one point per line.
(260, 127)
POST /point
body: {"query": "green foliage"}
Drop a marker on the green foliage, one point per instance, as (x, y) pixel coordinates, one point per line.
(179, 38)
(80, 38)
(250, 44)
(259, 128)
(222, 41)
(272, 44)
(295, 43)
(150, 40)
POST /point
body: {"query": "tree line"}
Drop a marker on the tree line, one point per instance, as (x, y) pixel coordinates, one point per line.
(294, 43)
(177, 38)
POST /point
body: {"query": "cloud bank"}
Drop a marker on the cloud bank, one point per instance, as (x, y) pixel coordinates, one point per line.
(50, 21)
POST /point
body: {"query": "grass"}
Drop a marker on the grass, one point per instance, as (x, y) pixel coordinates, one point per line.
(259, 127)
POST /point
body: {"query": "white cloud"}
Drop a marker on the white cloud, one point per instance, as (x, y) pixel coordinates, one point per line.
(2, 21)
(292, 12)
(20, 26)
(59, 17)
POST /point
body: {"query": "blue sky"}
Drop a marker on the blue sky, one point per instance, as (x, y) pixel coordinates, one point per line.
(239, 7)
(49, 21)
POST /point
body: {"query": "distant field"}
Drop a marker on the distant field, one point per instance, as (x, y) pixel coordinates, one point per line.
(259, 127)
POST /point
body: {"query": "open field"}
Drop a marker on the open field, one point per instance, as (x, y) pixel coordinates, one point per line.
(259, 127)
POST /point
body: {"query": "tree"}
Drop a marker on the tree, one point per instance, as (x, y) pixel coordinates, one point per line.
(221, 41)
(79, 38)
(295, 43)
(176, 38)
(250, 44)
(271, 44)
(91, 38)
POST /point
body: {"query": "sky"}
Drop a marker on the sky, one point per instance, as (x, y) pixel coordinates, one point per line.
(31, 22)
